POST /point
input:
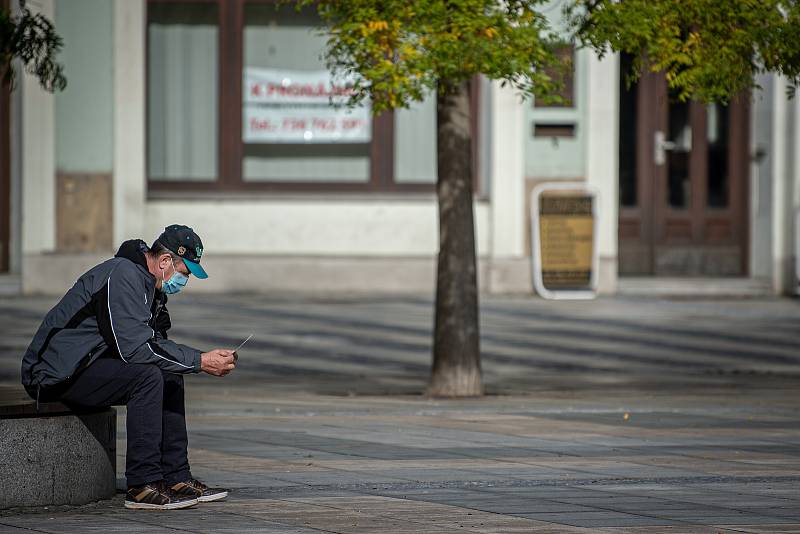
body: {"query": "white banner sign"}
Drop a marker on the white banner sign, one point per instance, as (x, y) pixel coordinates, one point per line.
(288, 106)
(283, 86)
(305, 125)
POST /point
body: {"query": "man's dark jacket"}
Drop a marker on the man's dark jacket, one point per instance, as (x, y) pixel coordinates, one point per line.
(114, 306)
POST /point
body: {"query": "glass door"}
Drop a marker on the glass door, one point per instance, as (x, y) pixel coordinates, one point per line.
(682, 183)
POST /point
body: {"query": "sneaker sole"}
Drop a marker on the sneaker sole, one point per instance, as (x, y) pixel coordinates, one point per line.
(215, 497)
(171, 506)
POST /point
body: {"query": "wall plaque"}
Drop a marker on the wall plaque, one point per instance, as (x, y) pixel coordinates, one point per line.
(563, 218)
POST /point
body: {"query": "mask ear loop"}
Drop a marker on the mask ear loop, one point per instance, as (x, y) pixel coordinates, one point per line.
(163, 281)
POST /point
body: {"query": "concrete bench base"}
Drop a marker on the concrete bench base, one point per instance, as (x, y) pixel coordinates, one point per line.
(55, 456)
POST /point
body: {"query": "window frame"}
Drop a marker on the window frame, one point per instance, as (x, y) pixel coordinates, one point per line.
(230, 147)
(564, 52)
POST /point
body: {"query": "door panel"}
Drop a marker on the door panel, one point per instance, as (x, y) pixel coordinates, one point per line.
(636, 192)
(691, 169)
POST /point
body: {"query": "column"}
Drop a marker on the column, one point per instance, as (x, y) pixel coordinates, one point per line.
(130, 173)
(602, 158)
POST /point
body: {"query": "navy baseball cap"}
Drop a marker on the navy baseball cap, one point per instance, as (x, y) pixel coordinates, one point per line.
(182, 241)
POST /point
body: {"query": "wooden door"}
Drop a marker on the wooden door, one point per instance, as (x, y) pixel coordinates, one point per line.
(683, 184)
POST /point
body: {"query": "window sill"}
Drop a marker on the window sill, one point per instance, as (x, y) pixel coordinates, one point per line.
(238, 196)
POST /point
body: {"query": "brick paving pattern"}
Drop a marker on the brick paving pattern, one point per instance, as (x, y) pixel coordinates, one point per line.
(619, 415)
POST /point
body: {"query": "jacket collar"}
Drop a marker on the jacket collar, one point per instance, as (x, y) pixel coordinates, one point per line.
(134, 250)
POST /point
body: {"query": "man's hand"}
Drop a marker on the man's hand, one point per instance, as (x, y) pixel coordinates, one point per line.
(218, 362)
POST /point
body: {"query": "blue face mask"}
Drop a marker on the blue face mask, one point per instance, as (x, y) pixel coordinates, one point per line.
(175, 283)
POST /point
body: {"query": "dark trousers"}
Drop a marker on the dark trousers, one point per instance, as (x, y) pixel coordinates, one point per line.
(156, 425)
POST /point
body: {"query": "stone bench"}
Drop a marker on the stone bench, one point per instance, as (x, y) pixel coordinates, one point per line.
(54, 456)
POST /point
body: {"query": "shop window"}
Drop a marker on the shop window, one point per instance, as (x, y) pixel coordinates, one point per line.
(415, 142)
(239, 99)
(292, 131)
(565, 74)
(182, 90)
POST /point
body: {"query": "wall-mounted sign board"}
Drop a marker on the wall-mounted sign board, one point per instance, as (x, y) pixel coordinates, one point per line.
(564, 240)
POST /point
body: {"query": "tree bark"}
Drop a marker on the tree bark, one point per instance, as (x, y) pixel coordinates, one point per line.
(456, 353)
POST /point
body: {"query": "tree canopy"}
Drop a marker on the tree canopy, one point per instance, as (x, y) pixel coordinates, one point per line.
(709, 50)
(403, 49)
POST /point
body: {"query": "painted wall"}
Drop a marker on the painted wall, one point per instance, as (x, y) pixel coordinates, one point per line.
(129, 119)
(787, 278)
(38, 159)
(795, 172)
(602, 160)
(560, 157)
(297, 232)
(775, 186)
(84, 109)
(761, 181)
(782, 193)
(346, 226)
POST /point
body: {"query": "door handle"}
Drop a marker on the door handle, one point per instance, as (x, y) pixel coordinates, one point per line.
(661, 145)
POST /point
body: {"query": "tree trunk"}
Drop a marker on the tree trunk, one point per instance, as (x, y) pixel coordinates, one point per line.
(456, 353)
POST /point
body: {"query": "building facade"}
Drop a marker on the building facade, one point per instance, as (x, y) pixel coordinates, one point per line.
(217, 114)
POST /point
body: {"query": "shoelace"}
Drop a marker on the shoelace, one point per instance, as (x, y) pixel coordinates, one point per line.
(163, 490)
(198, 485)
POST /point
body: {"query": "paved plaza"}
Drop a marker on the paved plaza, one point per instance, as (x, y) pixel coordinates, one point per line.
(618, 415)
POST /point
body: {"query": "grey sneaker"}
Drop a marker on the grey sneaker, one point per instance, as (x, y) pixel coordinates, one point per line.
(156, 496)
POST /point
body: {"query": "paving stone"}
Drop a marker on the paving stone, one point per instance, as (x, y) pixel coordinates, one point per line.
(10, 529)
(770, 529)
(324, 428)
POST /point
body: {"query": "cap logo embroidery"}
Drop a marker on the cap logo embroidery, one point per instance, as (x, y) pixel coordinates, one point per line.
(181, 250)
(199, 252)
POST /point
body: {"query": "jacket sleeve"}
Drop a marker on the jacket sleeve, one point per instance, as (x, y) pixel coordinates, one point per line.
(123, 315)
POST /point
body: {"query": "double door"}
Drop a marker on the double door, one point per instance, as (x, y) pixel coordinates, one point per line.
(683, 183)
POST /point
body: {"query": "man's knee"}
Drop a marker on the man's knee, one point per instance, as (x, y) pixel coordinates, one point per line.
(149, 376)
(172, 379)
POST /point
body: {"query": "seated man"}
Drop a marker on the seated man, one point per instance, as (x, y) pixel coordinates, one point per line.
(105, 343)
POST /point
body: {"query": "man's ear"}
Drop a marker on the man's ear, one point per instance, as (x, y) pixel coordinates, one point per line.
(164, 261)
